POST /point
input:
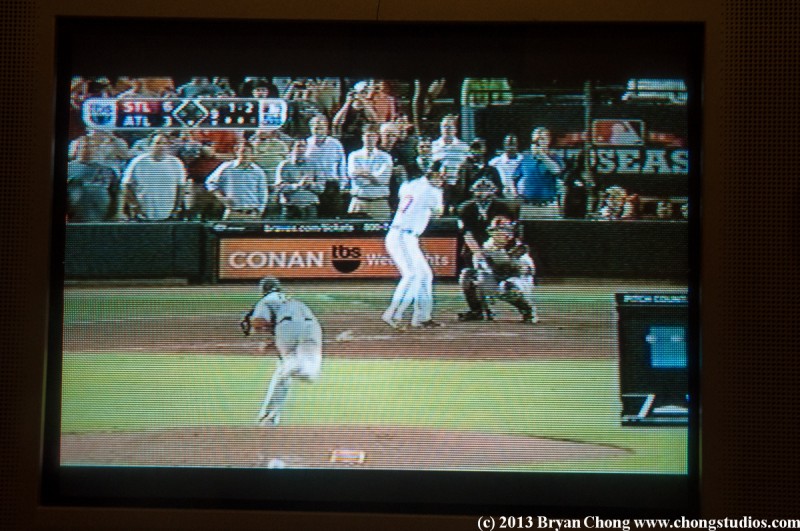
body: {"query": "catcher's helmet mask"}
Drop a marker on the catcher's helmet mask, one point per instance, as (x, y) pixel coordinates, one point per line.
(483, 187)
(502, 228)
(502, 223)
(269, 285)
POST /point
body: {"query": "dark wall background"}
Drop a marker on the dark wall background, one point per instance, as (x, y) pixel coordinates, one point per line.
(107, 251)
(615, 249)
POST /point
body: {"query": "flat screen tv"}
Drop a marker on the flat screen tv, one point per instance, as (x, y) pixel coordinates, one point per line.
(376, 267)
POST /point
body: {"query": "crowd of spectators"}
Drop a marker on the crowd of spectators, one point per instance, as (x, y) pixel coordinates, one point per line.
(344, 152)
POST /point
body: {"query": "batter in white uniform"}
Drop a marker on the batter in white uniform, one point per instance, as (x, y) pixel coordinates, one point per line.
(419, 199)
(298, 338)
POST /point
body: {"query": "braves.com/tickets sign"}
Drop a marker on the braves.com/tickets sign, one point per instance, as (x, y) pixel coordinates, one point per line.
(244, 258)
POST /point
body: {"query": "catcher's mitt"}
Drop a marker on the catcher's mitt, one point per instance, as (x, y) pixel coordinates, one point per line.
(507, 261)
(245, 325)
(519, 250)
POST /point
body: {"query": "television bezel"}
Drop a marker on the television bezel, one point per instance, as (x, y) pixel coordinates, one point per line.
(50, 498)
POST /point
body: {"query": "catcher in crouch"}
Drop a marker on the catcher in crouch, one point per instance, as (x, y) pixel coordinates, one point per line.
(503, 271)
(298, 338)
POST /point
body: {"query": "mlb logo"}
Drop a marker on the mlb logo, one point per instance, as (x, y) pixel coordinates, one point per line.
(607, 132)
(100, 112)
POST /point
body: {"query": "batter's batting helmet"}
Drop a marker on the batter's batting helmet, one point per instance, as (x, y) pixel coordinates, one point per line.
(269, 284)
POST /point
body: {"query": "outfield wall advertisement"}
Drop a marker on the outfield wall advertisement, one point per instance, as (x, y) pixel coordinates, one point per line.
(251, 258)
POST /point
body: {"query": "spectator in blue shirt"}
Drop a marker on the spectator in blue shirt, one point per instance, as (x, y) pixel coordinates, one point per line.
(538, 171)
(92, 188)
(240, 185)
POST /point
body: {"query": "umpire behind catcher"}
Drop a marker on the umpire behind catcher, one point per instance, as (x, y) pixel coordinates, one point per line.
(474, 219)
(298, 338)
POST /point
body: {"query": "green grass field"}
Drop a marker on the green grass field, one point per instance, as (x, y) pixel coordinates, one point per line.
(116, 390)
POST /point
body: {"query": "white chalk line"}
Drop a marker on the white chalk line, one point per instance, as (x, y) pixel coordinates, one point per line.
(144, 318)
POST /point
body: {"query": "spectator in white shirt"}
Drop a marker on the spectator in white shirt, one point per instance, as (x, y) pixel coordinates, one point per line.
(153, 183)
(506, 163)
(452, 152)
(325, 152)
(370, 170)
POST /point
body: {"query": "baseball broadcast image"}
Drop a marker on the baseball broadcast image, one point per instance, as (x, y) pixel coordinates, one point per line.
(384, 271)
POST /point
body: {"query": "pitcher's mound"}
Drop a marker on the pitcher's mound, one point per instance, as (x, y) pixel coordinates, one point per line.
(314, 446)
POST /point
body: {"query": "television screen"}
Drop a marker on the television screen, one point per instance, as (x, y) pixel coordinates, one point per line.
(360, 266)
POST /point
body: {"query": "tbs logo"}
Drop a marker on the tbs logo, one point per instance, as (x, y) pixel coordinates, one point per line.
(346, 259)
(99, 112)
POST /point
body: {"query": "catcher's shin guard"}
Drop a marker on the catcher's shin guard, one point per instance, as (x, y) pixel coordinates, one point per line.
(470, 315)
(518, 300)
(487, 292)
(468, 280)
(527, 311)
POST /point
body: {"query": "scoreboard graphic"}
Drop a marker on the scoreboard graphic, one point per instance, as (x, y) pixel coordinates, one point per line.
(182, 113)
(653, 358)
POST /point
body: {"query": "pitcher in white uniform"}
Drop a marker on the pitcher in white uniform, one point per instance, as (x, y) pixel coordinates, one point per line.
(419, 200)
(298, 338)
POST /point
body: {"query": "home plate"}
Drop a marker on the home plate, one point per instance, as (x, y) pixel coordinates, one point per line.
(238, 344)
(350, 457)
(347, 335)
